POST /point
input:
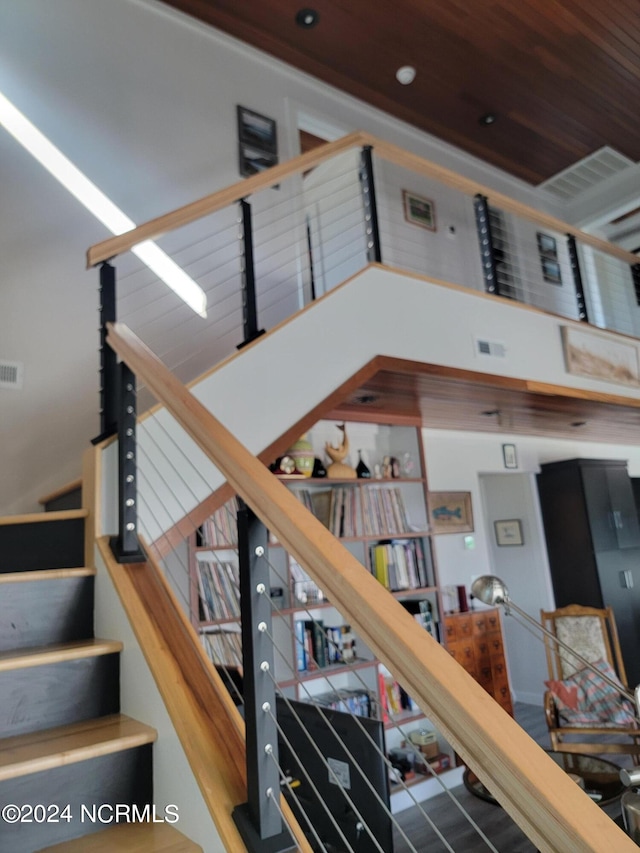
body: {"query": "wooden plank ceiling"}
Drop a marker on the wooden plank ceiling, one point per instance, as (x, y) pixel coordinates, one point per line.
(562, 77)
(446, 398)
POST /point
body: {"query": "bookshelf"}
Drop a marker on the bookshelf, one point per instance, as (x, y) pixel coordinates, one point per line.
(382, 520)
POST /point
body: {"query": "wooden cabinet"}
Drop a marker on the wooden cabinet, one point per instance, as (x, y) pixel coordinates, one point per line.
(593, 542)
(474, 639)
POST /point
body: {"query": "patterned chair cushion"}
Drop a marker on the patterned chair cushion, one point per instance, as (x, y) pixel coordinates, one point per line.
(586, 699)
(583, 633)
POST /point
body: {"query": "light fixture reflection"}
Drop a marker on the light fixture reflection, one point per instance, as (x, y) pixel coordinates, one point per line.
(88, 194)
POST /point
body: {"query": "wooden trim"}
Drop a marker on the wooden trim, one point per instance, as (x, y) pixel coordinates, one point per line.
(49, 748)
(539, 796)
(63, 490)
(92, 500)
(32, 517)
(206, 720)
(216, 201)
(46, 575)
(26, 658)
(130, 838)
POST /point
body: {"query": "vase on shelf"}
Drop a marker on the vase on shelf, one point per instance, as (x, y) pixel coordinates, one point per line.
(362, 470)
(302, 454)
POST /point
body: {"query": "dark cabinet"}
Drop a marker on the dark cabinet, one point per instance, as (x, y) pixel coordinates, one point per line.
(593, 542)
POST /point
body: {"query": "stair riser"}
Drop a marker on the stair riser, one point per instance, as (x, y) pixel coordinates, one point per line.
(46, 612)
(42, 697)
(56, 544)
(123, 777)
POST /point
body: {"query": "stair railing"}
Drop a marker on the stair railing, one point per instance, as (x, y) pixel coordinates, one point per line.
(263, 248)
(541, 798)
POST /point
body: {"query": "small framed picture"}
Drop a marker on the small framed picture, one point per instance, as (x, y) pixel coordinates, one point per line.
(509, 456)
(547, 246)
(419, 210)
(450, 512)
(551, 270)
(257, 131)
(257, 142)
(508, 532)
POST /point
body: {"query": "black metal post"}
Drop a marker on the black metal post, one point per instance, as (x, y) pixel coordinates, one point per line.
(487, 249)
(374, 252)
(108, 358)
(572, 248)
(635, 276)
(312, 275)
(258, 820)
(126, 545)
(249, 303)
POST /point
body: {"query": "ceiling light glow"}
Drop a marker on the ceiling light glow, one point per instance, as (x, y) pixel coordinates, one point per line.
(88, 194)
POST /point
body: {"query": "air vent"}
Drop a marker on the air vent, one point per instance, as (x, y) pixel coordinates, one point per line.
(587, 173)
(491, 349)
(11, 374)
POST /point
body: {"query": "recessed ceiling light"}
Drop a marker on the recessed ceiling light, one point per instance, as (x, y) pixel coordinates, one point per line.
(488, 118)
(406, 74)
(307, 18)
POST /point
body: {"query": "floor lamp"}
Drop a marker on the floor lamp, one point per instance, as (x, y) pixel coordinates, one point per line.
(491, 590)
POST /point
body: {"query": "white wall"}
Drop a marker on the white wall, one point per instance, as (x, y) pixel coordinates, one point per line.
(173, 781)
(469, 462)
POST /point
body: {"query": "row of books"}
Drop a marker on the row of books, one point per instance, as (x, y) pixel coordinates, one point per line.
(394, 698)
(224, 647)
(383, 512)
(219, 590)
(357, 702)
(401, 564)
(336, 508)
(221, 528)
(319, 645)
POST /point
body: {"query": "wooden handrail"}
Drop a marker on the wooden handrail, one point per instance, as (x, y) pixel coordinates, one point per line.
(539, 796)
(297, 165)
(218, 200)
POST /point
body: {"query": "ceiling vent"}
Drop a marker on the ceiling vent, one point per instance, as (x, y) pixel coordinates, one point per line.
(493, 349)
(11, 374)
(589, 172)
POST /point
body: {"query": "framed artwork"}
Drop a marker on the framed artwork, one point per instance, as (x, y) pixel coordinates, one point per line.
(419, 210)
(589, 354)
(548, 251)
(450, 512)
(509, 456)
(508, 532)
(257, 142)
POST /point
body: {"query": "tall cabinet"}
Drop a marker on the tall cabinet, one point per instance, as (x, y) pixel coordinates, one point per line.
(593, 541)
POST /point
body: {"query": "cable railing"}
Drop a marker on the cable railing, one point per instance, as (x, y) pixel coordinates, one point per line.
(545, 803)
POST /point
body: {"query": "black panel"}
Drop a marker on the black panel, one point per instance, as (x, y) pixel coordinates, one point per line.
(43, 697)
(124, 777)
(58, 544)
(593, 542)
(43, 612)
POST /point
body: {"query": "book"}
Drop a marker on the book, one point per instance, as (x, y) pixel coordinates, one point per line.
(315, 627)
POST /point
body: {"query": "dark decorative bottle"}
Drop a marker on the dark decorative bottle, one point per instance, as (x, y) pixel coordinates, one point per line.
(361, 469)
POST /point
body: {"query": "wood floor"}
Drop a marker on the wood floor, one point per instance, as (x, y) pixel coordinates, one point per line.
(503, 833)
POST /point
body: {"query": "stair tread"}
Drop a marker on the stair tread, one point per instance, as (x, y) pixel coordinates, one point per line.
(42, 655)
(73, 486)
(46, 574)
(45, 749)
(56, 515)
(130, 838)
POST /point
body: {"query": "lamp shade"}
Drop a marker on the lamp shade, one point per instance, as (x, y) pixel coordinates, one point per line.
(490, 590)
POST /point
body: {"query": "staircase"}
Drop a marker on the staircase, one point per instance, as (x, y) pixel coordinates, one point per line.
(67, 754)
